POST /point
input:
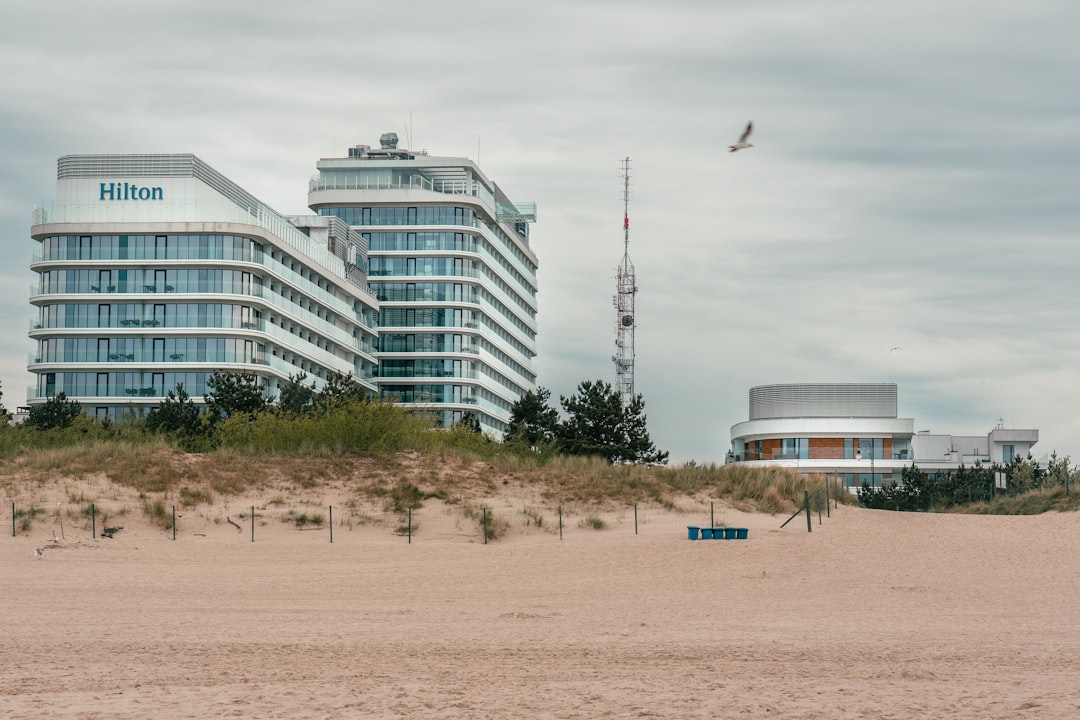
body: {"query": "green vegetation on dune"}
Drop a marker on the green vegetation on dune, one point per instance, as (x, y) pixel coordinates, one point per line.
(380, 450)
(244, 442)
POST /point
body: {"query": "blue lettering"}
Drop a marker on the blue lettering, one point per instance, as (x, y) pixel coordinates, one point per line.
(129, 191)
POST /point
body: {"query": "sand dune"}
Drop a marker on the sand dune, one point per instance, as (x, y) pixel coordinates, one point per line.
(872, 615)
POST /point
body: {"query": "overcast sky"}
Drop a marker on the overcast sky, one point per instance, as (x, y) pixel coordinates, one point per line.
(913, 182)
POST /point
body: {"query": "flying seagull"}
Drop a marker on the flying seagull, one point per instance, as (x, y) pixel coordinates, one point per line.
(742, 144)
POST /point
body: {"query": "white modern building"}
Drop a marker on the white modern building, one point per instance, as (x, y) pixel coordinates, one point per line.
(451, 264)
(154, 270)
(851, 430)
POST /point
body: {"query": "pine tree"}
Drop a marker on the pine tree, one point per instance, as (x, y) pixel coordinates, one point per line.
(599, 424)
(532, 420)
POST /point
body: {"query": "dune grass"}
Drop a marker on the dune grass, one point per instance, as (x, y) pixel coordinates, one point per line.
(404, 477)
(1034, 502)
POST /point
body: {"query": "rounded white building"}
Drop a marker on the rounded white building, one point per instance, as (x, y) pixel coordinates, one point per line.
(851, 430)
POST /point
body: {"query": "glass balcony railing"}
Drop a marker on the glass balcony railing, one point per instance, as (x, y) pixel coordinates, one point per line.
(815, 454)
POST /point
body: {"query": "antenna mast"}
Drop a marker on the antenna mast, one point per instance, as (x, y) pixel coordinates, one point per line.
(626, 288)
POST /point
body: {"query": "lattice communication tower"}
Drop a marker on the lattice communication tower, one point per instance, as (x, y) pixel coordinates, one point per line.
(625, 289)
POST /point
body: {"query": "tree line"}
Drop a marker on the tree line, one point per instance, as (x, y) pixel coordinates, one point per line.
(924, 491)
(237, 409)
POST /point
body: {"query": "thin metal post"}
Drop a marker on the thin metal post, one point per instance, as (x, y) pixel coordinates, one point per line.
(173, 522)
(12, 519)
(806, 501)
(410, 526)
(712, 514)
(560, 522)
(93, 522)
(252, 523)
(331, 524)
(828, 512)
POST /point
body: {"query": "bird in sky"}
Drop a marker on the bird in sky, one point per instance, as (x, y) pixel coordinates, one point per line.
(742, 144)
(896, 348)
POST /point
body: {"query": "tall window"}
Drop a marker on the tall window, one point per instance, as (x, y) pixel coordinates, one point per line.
(1008, 452)
(795, 448)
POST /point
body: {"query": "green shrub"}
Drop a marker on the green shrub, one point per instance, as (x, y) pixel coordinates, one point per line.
(190, 497)
(304, 519)
(25, 516)
(533, 517)
(592, 521)
(157, 512)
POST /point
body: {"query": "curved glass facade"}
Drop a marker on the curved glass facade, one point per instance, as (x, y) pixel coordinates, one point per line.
(420, 266)
(426, 317)
(149, 314)
(425, 342)
(429, 292)
(135, 384)
(427, 368)
(149, 280)
(423, 241)
(149, 350)
(420, 215)
(150, 247)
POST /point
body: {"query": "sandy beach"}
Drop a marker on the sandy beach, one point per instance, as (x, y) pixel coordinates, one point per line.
(872, 615)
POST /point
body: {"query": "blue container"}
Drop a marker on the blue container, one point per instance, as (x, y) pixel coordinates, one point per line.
(730, 533)
(692, 531)
(706, 533)
(718, 534)
(741, 533)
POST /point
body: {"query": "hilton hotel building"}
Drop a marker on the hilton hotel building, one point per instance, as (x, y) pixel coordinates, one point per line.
(154, 270)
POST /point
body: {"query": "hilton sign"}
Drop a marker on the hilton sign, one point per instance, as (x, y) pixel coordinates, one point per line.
(128, 191)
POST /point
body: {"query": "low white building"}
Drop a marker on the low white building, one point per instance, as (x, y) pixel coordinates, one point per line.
(851, 430)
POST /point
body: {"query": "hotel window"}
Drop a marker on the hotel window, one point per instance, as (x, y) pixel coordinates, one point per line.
(795, 448)
(1008, 452)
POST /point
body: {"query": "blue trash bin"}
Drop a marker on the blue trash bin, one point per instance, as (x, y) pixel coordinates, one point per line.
(706, 533)
(741, 534)
(692, 531)
(730, 533)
